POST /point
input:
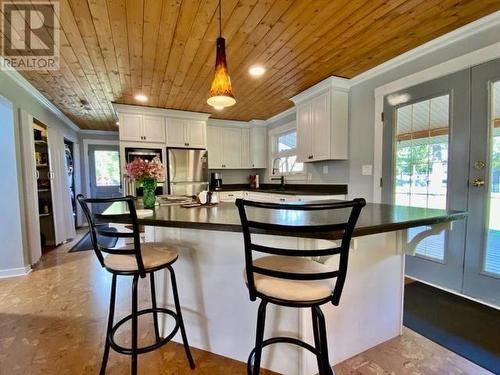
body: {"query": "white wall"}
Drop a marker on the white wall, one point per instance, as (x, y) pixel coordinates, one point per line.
(12, 195)
(12, 257)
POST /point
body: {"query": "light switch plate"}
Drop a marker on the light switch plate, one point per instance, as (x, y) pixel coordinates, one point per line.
(325, 169)
(367, 170)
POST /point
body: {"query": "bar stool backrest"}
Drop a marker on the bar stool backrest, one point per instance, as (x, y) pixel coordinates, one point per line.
(99, 225)
(286, 220)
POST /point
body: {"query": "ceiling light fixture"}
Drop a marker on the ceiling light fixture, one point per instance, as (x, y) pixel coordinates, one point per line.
(221, 92)
(218, 107)
(141, 98)
(117, 123)
(256, 70)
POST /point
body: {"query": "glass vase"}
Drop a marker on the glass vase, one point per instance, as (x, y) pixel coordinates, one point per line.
(149, 193)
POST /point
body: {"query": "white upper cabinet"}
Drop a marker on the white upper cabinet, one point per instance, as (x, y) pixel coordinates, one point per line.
(167, 127)
(320, 134)
(141, 128)
(197, 134)
(234, 147)
(258, 147)
(176, 132)
(130, 127)
(231, 144)
(304, 132)
(153, 129)
(246, 158)
(322, 121)
(186, 133)
(214, 147)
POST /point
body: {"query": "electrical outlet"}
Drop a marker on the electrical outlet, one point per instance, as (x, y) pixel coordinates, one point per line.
(309, 176)
(325, 169)
(367, 170)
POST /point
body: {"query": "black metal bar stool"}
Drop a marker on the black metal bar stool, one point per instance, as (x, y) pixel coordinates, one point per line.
(137, 260)
(287, 277)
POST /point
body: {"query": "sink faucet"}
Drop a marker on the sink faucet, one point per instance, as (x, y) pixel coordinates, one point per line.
(282, 180)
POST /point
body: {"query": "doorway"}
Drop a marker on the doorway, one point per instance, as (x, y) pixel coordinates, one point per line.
(104, 171)
(442, 151)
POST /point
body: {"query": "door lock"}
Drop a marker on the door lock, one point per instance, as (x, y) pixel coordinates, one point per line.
(478, 182)
(479, 164)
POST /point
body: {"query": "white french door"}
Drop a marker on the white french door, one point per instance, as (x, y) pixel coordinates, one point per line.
(442, 151)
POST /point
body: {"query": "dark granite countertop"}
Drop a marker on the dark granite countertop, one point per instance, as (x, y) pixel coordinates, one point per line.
(375, 218)
(292, 189)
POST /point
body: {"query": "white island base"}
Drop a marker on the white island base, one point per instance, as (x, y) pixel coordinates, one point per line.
(220, 318)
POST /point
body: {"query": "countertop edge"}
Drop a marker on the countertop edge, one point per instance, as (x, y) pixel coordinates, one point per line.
(358, 232)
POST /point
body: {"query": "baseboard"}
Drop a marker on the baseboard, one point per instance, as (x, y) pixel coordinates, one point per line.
(12, 272)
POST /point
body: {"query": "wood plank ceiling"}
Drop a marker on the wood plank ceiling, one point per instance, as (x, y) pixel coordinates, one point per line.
(111, 50)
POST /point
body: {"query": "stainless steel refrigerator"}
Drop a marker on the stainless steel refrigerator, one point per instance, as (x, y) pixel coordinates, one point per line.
(187, 171)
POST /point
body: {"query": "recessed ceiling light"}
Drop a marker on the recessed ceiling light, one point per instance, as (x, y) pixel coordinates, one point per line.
(218, 107)
(256, 70)
(141, 98)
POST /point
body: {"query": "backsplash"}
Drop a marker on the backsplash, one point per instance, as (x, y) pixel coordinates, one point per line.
(238, 176)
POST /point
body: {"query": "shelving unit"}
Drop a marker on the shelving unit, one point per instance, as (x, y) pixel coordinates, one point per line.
(42, 163)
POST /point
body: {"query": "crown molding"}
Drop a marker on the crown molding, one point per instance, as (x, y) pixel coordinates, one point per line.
(138, 109)
(463, 32)
(37, 95)
(221, 122)
(335, 83)
(258, 122)
(280, 115)
(98, 132)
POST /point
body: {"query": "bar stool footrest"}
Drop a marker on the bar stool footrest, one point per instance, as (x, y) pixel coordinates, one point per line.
(145, 349)
(276, 340)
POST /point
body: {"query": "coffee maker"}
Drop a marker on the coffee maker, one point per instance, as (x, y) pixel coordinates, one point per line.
(215, 181)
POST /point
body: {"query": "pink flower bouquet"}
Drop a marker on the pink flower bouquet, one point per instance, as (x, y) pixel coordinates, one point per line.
(140, 169)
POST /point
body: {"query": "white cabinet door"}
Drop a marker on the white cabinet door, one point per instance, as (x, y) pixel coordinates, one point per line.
(245, 149)
(130, 127)
(258, 147)
(231, 139)
(196, 134)
(312, 198)
(304, 129)
(176, 132)
(320, 127)
(214, 147)
(153, 129)
(230, 196)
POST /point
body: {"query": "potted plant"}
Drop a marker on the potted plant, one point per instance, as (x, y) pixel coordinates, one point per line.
(147, 174)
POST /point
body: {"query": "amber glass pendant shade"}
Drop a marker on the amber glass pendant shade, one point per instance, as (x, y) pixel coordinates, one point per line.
(221, 92)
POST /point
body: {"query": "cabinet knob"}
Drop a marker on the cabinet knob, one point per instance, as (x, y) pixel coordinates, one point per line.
(310, 157)
(186, 144)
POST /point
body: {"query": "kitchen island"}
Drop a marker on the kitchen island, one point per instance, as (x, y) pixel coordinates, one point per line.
(218, 314)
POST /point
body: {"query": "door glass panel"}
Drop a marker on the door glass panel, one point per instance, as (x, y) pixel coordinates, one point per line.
(107, 168)
(492, 253)
(421, 163)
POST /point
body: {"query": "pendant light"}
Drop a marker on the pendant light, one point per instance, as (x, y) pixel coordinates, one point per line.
(221, 92)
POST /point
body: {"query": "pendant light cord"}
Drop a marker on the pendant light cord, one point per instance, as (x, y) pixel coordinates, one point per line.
(220, 18)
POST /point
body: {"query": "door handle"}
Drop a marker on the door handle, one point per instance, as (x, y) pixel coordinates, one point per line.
(478, 182)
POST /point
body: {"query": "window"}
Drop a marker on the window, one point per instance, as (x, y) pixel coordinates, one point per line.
(421, 164)
(107, 168)
(284, 153)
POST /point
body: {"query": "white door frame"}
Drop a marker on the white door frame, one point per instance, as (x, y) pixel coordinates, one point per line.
(477, 57)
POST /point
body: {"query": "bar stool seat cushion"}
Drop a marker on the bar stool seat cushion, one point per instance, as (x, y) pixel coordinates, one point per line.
(154, 255)
(292, 290)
